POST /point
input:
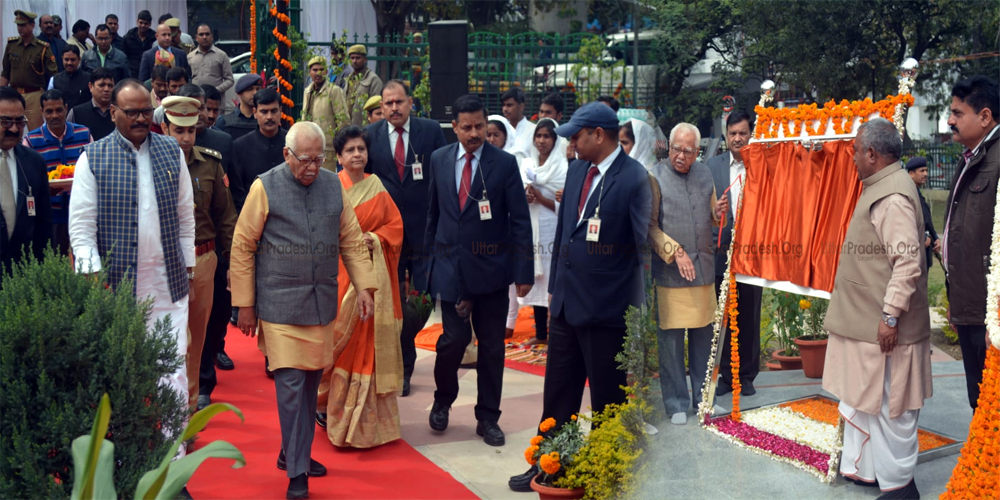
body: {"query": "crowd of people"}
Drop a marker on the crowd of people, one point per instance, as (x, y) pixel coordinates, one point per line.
(313, 238)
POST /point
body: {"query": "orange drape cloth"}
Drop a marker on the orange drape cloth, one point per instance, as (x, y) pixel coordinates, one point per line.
(797, 204)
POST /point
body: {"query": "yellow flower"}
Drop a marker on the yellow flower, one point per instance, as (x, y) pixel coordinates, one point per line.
(804, 304)
(547, 424)
(537, 440)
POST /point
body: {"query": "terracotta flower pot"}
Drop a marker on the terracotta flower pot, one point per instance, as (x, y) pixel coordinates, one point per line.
(813, 356)
(788, 362)
(551, 493)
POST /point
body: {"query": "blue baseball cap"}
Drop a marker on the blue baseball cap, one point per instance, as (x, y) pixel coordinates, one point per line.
(591, 115)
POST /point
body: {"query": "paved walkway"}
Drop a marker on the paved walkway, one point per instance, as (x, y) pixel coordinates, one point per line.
(682, 462)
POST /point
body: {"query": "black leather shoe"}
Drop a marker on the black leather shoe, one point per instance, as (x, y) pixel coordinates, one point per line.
(223, 361)
(321, 419)
(439, 416)
(316, 469)
(184, 494)
(746, 388)
(234, 316)
(866, 484)
(522, 482)
(298, 487)
(908, 492)
(406, 387)
(722, 389)
(203, 401)
(491, 433)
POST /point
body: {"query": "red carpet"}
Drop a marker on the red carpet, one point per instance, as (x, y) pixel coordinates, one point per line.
(392, 471)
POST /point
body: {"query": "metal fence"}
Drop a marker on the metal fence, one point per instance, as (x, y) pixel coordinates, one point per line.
(537, 62)
(942, 161)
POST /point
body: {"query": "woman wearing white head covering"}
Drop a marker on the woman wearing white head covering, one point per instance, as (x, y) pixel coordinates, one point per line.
(497, 127)
(544, 172)
(637, 140)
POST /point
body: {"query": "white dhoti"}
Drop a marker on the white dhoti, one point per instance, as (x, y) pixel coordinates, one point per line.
(879, 447)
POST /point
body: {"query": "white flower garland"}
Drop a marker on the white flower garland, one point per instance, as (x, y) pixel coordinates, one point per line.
(993, 281)
(796, 427)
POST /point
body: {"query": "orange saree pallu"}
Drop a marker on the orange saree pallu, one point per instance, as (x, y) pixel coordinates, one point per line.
(358, 392)
(797, 204)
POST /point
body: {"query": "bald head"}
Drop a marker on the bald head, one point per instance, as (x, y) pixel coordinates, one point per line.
(163, 36)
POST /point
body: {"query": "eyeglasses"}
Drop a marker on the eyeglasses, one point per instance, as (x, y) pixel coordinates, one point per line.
(682, 151)
(132, 114)
(6, 121)
(307, 161)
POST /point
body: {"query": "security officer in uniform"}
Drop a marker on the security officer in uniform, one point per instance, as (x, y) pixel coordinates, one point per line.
(215, 220)
(28, 63)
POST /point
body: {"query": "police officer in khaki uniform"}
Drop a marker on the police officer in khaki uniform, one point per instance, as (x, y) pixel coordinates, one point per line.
(28, 63)
(175, 35)
(215, 220)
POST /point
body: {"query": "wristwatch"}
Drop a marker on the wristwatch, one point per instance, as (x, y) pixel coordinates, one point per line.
(889, 321)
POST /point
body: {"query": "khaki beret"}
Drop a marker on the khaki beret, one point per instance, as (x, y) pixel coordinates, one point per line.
(373, 102)
(357, 49)
(173, 23)
(317, 60)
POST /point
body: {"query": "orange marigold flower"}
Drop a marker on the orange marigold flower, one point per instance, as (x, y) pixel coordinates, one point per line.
(537, 440)
(549, 463)
(529, 454)
(573, 418)
(547, 424)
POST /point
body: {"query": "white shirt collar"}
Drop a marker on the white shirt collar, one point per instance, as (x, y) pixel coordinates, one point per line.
(733, 161)
(406, 127)
(606, 163)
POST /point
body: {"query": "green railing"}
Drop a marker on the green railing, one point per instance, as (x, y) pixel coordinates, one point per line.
(538, 62)
(942, 161)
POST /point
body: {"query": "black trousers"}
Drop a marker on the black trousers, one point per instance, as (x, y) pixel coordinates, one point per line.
(408, 333)
(489, 318)
(578, 354)
(748, 320)
(541, 322)
(972, 339)
(215, 334)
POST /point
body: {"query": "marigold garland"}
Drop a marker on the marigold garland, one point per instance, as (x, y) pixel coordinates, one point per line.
(734, 347)
(977, 474)
(813, 119)
(253, 36)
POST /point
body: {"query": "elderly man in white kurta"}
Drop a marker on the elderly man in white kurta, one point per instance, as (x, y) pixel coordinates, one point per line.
(878, 357)
(133, 209)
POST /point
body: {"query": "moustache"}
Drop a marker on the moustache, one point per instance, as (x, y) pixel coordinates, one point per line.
(953, 129)
(7, 133)
(269, 122)
(139, 126)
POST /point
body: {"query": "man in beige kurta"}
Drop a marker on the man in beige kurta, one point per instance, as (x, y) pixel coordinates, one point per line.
(878, 357)
(295, 223)
(686, 210)
(324, 104)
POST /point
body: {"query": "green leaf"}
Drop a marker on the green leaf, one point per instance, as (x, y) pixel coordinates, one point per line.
(90, 452)
(200, 420)
(180, 471)
(100, 483)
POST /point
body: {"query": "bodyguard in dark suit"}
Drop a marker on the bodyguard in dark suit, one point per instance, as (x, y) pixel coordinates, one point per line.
(25, 209)
(592, 283)
(478, 241)
(402, 172)
(149, 56)
(725, 169)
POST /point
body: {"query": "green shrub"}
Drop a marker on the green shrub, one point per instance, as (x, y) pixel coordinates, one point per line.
(65, 340)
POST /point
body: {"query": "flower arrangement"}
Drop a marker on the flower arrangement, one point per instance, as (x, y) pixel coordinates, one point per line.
(421, 302)
(62, 172)
(813, 119)
(605, 466)
(554, 453)
(795, 316)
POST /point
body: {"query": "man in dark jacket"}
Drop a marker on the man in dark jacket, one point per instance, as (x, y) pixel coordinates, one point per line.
(104, 55)
(137, 41)
(968, 220)
(72, 81)
(917, 168)
(51, 36)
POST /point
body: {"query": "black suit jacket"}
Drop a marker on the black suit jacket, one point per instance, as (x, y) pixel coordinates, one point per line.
(219, 141)
(719, 166)
(593, 283)
(409, 195)
(28, 230)
(149, 58)
(468, 256)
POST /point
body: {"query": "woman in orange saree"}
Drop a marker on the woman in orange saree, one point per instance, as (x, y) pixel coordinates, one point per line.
(357, 395)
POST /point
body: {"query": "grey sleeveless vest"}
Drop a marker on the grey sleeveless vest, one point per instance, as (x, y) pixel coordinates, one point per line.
(297, 256)
(686, 216)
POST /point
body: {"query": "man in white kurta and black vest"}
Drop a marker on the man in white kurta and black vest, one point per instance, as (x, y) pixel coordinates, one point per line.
(132, 211)
(284, 263)
(878, 361)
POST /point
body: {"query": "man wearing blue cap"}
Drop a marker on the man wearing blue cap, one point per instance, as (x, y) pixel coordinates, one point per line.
(596, 269)
(917, 168)
(241, 121)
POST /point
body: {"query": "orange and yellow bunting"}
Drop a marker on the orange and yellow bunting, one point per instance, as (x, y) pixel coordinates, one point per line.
(791, 121)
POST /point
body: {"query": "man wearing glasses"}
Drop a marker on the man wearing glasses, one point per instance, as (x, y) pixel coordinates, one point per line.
(257, 152)
(25, 213)
(133, 209)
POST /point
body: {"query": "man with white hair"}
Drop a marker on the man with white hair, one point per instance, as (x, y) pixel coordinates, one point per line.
(684, 268)
(295, 224)
(878, 361)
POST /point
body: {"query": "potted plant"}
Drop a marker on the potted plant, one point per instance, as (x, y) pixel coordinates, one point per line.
(554, 453)
(812, 345)
(788, 324)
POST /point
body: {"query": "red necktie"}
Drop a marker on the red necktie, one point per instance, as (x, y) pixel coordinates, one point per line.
(586, 188)
(400, 153)
(463, 190)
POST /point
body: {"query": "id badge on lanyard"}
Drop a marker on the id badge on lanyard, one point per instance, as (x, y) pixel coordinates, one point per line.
(593, 228)
(418, 171)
